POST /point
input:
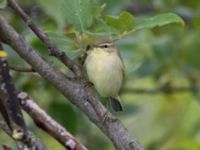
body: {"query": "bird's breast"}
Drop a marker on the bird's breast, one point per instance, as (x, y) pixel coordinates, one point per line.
(105, 71)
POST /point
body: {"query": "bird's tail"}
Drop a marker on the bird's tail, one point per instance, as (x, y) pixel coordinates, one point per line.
(116, 105)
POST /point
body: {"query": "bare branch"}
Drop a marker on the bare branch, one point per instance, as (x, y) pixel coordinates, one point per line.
(4, 125)
(53, 50)
(10, 108)
(48, 124)
(5, 147)
(11, 119)
(75, 90)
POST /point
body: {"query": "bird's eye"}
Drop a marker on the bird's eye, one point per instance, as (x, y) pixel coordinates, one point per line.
(105, 46)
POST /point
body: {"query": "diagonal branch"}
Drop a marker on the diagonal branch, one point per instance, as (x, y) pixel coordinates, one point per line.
(48, 124)
(5, 147)
(53, 50)
(39, 116)
(11, 118)
(21, 69)
(74, 90)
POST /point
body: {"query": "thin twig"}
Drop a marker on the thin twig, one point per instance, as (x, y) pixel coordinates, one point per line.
(53, 50)
(21, 69)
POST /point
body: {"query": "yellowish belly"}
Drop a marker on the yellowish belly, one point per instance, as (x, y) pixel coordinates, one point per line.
(105, 72)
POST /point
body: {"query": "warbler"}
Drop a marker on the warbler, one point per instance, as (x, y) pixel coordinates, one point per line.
(105, 69)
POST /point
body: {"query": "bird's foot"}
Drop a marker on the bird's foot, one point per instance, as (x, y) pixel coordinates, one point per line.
(87, 84)
(104, 117)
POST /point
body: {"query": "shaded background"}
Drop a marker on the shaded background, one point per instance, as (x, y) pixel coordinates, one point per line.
(167, 57)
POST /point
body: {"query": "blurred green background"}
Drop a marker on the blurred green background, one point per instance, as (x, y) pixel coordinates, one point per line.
(167, 56)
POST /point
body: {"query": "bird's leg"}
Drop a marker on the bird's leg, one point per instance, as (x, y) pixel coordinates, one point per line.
(105, 114)
(105, 117)
(87, 84)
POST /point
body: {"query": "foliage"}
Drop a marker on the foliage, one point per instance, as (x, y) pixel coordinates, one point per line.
(3, 3)
(157, 51)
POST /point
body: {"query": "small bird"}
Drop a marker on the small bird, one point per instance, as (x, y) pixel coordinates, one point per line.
(105, 70)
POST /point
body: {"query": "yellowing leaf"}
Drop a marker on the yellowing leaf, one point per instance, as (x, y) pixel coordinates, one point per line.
(2, 54)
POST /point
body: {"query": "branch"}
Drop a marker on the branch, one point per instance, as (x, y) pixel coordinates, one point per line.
(39, 116)
(12, 121)
(45, 122)
(75, 91)
(20, 69)
(4, 125)
(9, 101)
(5, 147)
(53, 50)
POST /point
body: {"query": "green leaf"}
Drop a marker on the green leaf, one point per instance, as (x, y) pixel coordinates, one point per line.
(78, 13)
(64, 114)
(158, 20)
(3, 3)
(98, 10)
(192, 56)
(49, 6)
(122, 23)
